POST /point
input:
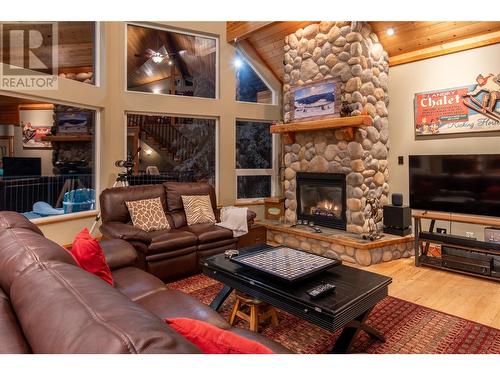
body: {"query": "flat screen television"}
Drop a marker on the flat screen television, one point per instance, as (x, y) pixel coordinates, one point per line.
(467, 184)
(21, 167)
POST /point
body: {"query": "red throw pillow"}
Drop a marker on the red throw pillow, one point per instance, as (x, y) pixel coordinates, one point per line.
(213, 340)
(89, 255)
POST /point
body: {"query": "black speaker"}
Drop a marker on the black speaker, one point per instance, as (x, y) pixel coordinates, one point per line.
(397, 199)
(397, 220)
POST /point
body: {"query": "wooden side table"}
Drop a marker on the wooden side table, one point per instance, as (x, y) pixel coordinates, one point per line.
(258, 311)
(256, 235)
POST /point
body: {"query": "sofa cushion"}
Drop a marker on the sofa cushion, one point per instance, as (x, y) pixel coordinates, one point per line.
(136, 283)
(12, 340)
(63, 309)
(213, 340)
(148, 214)
(113, 207)
(171, 303)
(177, 189)
(90, 257)
(171, 239)
(21, 246)
(209, 232)
(198, 209)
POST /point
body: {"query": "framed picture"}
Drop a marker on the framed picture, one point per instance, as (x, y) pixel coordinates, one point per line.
(459, 110)
(316, 100)
(33, 135)
(69, 122)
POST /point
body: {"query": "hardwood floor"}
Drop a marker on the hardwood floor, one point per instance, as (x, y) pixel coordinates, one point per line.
(468, 297)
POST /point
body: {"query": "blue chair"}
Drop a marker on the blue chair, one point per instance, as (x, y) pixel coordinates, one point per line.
(79, 200)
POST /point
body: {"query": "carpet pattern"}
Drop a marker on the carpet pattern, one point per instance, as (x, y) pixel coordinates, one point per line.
(408, 327)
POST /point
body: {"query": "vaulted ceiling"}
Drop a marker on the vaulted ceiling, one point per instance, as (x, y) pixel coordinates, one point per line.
(411, 40)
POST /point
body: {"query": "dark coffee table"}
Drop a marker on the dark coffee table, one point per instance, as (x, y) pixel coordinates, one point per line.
(356, 293)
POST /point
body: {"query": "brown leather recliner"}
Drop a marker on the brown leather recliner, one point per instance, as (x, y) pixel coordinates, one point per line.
(50, 305)
(171, 253)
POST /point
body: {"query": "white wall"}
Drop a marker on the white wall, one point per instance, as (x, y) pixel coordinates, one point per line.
(433, 74)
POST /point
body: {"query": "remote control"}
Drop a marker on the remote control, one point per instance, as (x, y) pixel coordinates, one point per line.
(320, 290)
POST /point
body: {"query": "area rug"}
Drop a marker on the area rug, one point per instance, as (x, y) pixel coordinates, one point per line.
(408, 327)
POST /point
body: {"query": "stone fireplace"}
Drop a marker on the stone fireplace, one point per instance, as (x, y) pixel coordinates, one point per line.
(321, 199)
(350, 53)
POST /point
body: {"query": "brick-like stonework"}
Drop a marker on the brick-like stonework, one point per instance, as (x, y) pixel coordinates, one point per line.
(350, 52)
(363, 257)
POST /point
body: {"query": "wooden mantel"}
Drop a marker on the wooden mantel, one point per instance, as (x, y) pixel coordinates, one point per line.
(345, 123)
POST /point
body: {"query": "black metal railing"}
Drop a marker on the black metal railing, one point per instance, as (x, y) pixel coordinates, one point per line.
(20, 193)
(147, 179)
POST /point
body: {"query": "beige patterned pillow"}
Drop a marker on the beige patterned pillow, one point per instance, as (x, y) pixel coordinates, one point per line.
(148, 214)
(198, 209)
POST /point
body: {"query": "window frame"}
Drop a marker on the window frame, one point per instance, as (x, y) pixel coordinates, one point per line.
(97, 159)
(217, 136)
(274, 94)
(273, 171)
(179, 31)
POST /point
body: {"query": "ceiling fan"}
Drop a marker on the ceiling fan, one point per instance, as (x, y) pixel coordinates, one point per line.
(159, 56)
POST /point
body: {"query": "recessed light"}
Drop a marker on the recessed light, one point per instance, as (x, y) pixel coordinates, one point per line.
(390, 31)
(237, 62)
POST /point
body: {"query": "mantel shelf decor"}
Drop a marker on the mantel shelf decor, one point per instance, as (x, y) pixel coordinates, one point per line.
(347, 123)
(67, 138)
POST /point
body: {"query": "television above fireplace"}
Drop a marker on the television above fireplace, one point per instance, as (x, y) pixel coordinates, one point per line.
(321, 199)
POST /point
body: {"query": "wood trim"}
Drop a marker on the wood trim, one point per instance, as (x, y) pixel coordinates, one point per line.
(339, 239)
(249, 202)
(35, 107)
(329, 123)
(67, 138)
(446, 48)
(64, 218)
(239, 30)
(459, 218)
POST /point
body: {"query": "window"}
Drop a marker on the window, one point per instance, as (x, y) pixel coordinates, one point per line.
(249, 85)
(172, 148)
(167, 62)
(76, 46)
(47, 158)
(254, 160)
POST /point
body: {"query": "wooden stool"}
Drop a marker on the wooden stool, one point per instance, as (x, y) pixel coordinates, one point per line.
(258, 311)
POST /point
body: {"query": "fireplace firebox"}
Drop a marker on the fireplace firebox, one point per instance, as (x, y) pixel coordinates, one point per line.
(321, 198)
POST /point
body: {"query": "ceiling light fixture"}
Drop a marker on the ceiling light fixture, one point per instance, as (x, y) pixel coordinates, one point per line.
(157, 57)
(390, 31)
(237, 63)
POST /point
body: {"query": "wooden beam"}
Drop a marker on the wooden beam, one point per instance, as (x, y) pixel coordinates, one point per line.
(240, 30)
(446, 48)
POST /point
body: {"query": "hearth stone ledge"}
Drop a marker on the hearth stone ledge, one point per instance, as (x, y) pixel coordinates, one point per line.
(350, 254)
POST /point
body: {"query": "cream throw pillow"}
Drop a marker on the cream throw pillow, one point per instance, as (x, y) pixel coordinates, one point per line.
(198, 209)
(148, 214)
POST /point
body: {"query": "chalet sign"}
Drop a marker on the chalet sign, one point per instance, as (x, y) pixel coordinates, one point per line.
(474, 108)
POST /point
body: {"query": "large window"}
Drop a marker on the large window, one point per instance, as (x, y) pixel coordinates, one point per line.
(47, 154)
(250, 87)
(254, 160)
(76, 44)
(166, 62)
(172, 148)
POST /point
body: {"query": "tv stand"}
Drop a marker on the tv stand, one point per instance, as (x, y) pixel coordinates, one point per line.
(458, 254)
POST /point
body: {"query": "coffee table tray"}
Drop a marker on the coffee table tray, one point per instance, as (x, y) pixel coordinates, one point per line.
(286, 263)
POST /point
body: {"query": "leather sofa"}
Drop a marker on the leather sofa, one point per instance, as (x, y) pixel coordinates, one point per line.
(173, 253)
(50, 305)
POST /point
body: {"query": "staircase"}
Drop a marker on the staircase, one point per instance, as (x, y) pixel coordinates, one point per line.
(163, 132)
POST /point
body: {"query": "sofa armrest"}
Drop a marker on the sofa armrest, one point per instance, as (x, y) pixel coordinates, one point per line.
(125, 232)
(118, 253)
(250, 217)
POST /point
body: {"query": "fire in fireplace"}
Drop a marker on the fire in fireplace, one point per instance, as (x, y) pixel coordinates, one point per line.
(321, 198)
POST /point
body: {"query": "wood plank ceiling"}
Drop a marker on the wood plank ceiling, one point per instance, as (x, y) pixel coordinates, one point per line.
(411, 41)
